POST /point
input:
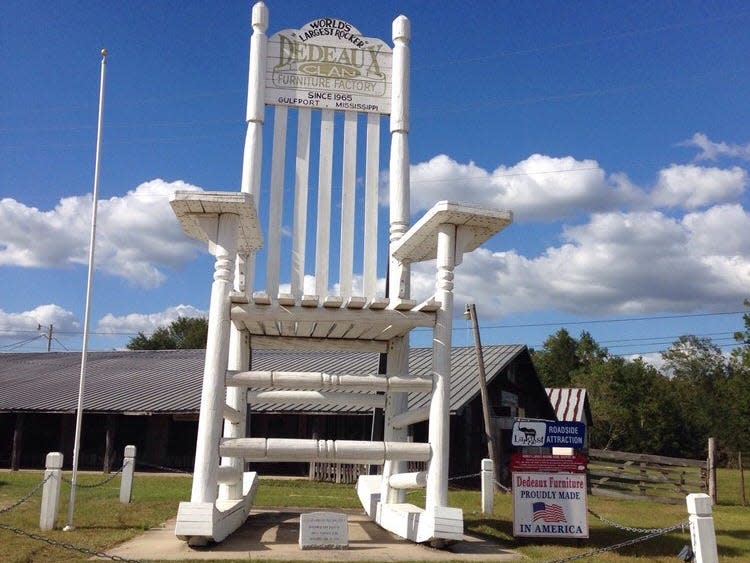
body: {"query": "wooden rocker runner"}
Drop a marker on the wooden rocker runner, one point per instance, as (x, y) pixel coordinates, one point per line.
(334, 86)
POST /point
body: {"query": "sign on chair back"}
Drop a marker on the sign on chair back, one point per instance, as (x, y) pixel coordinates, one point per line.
(325, 88)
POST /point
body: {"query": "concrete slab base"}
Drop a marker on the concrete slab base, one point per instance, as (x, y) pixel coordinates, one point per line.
(273, 535)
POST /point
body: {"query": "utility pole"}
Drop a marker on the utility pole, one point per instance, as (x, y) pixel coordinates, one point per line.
(471, 314)
(48, 336)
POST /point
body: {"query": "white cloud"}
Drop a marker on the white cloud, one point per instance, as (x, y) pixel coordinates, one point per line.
(712, 151)
(537, 188)
(18, 329)
(617, 263)
(545, 188)
(692, 187)
(146, 322)
(137, 234)
(45, 315)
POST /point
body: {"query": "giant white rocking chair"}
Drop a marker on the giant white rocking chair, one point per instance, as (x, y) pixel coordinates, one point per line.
(241, 320)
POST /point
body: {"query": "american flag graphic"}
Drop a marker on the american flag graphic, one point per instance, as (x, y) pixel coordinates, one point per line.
(548, 512)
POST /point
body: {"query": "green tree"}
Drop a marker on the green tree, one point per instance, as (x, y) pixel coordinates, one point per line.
(698, 371)
(186, 333)
(557, 360)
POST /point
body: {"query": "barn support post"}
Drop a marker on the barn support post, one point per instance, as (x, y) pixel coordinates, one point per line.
(15, 456)
(128, 468)
(109, 442)
(51, 491)
(743, 499)
(702, 533)
(712, 469)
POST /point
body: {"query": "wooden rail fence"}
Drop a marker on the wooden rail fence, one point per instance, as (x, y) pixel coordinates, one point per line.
(646, 477)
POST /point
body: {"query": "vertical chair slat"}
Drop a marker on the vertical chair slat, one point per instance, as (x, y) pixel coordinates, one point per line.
(325, 175)
(299, 230)
(276, 201)
(348, 192)
(372, 165)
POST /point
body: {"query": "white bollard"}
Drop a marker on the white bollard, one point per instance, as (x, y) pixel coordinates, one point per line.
(488, 486)
(702, 532)
(128, 467)
(51, 491)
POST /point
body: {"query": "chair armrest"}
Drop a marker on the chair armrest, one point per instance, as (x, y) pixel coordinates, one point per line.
(190, 207)
(475, 225)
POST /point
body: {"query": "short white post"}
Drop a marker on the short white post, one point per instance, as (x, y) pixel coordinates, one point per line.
(488, 486)
(702, 532)
(128, 467)
(51, 491)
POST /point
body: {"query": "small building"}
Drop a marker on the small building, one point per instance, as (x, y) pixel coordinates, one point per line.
(151, 399)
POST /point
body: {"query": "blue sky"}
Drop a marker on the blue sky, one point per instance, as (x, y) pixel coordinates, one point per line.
(617, 132)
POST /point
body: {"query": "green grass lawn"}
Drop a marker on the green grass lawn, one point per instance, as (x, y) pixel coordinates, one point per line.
(101, 521)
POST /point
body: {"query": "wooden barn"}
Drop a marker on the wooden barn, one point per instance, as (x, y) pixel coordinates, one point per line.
(151, 399)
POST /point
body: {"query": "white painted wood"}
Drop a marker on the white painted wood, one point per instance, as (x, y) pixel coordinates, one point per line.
(313, 343)
(231, 416)
(399, 158)
(339, 451)
(216, 362)
(276, 203)
(51, 491)
(325, 178)
(201, 522)
(397, 362)
(487, 478)
(408, 418)
(416, 480)
(228, 475)
(396, 318)
(128, 469)
(321, 380)
(235, 411)
(476, 223)
(348, 196)
(372, 171)
(301, 187)
(368, 491)
(252, 157)
(439, 431)
(702, 534)
(317, 398)
(197, 212)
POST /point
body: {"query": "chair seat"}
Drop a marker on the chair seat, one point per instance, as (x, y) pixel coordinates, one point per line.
(331, 318)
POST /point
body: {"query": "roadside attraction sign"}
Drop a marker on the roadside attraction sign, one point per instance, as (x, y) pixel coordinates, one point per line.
(548, 433)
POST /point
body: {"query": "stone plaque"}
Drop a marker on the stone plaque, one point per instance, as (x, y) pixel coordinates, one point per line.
(323, 530)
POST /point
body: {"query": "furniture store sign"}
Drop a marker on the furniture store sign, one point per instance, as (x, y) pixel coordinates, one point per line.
(328, 64)
(549, 505)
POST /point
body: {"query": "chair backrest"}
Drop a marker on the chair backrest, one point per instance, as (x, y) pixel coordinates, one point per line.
(326, 89)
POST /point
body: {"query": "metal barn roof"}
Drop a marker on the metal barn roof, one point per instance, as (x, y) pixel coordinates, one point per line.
(169, 381)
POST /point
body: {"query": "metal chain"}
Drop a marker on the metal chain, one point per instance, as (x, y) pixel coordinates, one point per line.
(502, 487)
(463, 476)
(157, 466)
(100, 483)
(626, 528)
(64, 545)
(27, 496)
(617, 546)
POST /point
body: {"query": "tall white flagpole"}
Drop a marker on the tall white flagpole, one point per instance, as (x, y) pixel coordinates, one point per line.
(89, 284)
